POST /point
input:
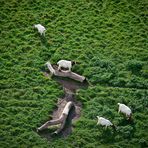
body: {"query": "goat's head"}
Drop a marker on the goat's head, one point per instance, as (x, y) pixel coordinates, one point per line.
(46, 63)
(34, 26)
(73, 62)
(118, 103)
(98, 117)
(98, 120)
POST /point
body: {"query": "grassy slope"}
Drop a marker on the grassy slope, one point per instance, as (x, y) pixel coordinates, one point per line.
(108, 39)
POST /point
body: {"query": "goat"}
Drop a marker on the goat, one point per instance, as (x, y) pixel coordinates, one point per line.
(41, 29)
(125, 110)
(104, 122)
(65, 64)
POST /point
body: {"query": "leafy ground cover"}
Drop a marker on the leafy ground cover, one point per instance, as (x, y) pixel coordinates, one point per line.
(107, 38)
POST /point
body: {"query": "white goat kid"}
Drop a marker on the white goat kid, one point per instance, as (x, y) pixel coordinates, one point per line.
(104, 122)
(41, 29)
(65, 64)
(125, 110)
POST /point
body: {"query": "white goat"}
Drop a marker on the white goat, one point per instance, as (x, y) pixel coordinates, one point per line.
(65, 64)
(104, 122)
(125, 109)
(41, 29)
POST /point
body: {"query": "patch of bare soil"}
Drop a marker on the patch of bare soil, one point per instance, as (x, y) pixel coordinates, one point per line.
(69, 87)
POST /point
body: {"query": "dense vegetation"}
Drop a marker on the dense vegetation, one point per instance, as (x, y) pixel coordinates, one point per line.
(107, 38)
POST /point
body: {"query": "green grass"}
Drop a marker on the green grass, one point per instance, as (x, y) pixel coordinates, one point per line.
(108, 39)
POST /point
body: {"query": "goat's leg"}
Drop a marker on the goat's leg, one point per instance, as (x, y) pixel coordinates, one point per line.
(44, 33)
(128, 117)
(59, 68)
(69, 70)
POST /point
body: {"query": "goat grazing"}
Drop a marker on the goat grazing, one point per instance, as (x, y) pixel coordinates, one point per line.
(104, 122)
(41, 29)
(65, 64)
(125, 110)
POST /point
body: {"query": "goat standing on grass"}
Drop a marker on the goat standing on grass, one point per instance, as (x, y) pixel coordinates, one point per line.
(41, 29)
(125, 110)
(65, 64)
(104, 122)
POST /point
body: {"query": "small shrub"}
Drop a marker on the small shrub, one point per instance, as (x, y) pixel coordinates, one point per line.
(134, 66)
